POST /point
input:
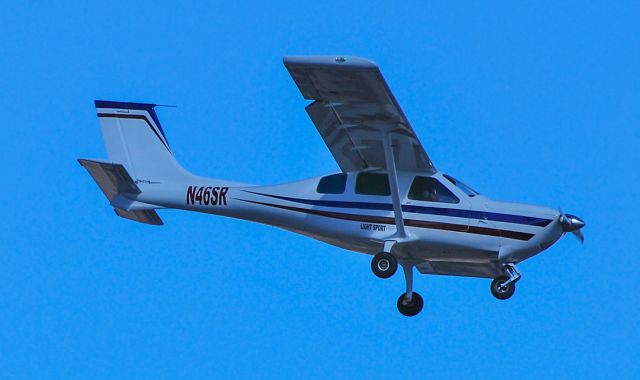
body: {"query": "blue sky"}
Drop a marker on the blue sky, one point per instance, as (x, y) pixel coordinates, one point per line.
(535, 102)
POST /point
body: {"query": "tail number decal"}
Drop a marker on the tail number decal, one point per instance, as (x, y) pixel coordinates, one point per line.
(208, 196)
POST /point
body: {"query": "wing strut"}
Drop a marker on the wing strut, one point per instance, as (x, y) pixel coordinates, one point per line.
(393, 183)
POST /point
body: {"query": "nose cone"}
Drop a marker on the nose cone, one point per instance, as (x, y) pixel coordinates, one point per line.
(571, 223)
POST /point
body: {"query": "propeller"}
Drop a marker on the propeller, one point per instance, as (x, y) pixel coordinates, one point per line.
(573, 224)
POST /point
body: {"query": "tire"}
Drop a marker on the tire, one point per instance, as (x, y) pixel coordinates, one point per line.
(384, 265)
(412, 308)
(500, 293)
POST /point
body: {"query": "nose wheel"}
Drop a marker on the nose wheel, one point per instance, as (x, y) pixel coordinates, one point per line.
(503, 287)
(501, 290)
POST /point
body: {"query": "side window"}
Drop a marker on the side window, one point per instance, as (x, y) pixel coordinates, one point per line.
(373, 184)
(332, 184)
(430, 190)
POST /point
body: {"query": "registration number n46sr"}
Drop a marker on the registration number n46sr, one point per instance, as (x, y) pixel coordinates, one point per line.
(207, 195)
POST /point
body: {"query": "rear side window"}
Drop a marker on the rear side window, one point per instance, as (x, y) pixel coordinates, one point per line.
(373, 184)
(332, 184)
(431, 190)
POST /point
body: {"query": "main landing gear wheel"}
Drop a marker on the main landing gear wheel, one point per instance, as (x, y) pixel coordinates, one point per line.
(500, 291)
(384, 265)
(410, 308)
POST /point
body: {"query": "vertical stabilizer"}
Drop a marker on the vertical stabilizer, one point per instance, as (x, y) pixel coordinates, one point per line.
(134, 138)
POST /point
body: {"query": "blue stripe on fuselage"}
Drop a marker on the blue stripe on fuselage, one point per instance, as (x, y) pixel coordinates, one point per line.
(441, 211)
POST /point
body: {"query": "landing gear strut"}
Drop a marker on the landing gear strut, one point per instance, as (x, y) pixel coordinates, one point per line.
(409, 303)
(503, 287)
(384, 265)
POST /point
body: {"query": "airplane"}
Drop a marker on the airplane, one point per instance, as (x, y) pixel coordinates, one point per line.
(388, 200)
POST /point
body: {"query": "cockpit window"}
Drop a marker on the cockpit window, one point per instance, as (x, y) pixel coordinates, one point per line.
(332, 184)
(466, 189)
(373, 184)
(431, 190)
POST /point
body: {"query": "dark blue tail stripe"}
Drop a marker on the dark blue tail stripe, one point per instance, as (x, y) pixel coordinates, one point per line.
(149, 107)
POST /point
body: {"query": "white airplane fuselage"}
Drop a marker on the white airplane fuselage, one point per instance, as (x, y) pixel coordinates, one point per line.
(474, 237)
(389, 200)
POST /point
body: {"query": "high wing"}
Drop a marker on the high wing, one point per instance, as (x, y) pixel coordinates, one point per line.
(354, 111)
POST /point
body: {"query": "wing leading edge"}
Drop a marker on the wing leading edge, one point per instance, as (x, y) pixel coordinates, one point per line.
(353, 109)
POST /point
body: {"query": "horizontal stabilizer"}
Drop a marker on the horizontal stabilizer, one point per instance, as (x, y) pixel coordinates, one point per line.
(142, 216)
(114, 181)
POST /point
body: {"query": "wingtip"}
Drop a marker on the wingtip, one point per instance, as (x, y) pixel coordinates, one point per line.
(334, 61)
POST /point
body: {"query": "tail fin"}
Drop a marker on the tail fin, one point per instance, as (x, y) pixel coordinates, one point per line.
(134, 138)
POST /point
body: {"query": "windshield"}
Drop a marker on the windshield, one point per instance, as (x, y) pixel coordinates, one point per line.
(466, 189)
(430, 190)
